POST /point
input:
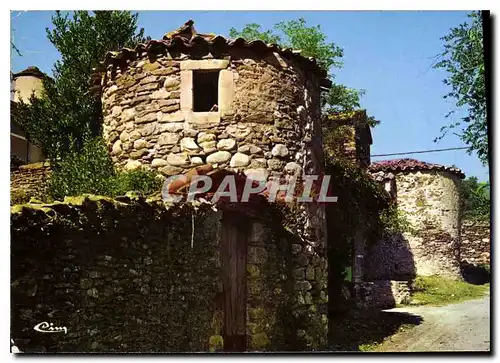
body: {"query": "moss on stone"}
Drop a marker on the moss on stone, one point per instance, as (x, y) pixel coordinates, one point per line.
(256, 313)
(148, 66)
(125, 81)
(216, 343)
(259, 341)
(253, 270)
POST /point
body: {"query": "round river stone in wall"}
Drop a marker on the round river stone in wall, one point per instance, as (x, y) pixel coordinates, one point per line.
(117, 148)
(226, 144)
(209, 146)
(196, 160)
(168, 138)
(279, 150)
(218, 157)
(239, 160)
(188, 143)
(133, 165)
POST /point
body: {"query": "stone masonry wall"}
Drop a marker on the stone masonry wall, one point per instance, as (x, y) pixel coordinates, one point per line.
(390, 259)
(268, 123)
(268, 114)
(120, 276)
(430, 201)
(287, 287)
(475, 242)
(29, 181)
(385, 294)
(129, 275)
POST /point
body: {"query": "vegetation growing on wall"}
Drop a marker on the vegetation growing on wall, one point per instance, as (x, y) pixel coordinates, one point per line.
(394, 221)
(91, 170)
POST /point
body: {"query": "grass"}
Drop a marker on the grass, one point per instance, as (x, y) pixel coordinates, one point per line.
(438, 291)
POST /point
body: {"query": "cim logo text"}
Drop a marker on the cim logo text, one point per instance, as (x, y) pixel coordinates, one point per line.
(45, 327)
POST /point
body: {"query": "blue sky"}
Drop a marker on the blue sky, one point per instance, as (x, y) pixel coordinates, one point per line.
(389, 54)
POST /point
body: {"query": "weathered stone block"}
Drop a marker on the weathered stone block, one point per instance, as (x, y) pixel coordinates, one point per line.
(178, 159)
(204, 64)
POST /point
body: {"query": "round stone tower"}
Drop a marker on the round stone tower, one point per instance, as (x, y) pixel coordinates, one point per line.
(428, 195)
(192, 99)
(25, 83)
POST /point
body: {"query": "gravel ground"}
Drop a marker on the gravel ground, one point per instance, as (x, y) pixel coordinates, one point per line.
(457, 327)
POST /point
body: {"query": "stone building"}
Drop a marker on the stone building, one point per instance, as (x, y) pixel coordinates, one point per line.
(350, 137)
(428, 195)
(192, 99)
(23, 85)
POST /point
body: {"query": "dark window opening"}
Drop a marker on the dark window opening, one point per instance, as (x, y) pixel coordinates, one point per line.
(205, 91)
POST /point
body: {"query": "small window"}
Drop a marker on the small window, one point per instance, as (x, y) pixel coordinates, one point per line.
(205, 91)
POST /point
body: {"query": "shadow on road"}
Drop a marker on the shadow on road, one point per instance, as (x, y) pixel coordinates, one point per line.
(477, 275)
(367, 327)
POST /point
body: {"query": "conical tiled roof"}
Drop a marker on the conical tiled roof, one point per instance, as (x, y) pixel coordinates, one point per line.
(186, 39)
(407, 164)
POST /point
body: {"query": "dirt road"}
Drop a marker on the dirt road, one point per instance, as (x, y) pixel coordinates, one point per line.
(457, 327)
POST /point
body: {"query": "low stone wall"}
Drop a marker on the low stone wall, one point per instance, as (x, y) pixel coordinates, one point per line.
(121, 277)
(475, 244)
(29, 181)
(130, 275)
(384, 294)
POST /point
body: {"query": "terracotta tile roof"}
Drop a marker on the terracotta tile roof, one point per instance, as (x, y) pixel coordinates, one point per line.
(381, 176)
(397, 165)
(186, 39)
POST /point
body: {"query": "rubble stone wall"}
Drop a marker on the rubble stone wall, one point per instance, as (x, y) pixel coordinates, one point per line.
(390, 258)
(267, 123)
(29, 181)
(121, 277)
(129, 275)
(475, 242)
(267, 117)
(385, 294)
(431, 203)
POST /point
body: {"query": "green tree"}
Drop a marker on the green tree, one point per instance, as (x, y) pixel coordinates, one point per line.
(67, 114)
(313, 43)
(475, 198)
(463, 59)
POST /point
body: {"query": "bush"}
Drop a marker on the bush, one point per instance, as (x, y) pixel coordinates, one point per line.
(91, 171)
(144, 181)
(394, 221)
(475, 199)
(87, 171)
